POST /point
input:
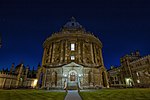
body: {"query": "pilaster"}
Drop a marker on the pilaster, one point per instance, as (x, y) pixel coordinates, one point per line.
(44, 54)
(95, 55)
(66, 51)
(79, 52)
(49, 54)
(61, 53)
(53, 53)
(92, 56)
(101, 57)
(10, 83)
(84, 61)
(4, 81)
(45, 75)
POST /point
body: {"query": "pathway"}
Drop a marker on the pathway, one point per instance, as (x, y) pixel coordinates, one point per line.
(73, 95)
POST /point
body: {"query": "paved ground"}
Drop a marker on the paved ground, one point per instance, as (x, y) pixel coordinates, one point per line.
(73, 95)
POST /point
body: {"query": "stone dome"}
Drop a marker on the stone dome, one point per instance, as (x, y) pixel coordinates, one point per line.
(72, 57)
(72, 25)
(87, 48)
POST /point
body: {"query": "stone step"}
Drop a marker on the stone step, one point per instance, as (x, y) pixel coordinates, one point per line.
(72, 88)
(72, 84)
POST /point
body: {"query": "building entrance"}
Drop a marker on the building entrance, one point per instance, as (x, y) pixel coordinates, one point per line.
(72, 76)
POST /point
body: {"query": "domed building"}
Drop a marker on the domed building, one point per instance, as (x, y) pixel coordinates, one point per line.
(72, 58)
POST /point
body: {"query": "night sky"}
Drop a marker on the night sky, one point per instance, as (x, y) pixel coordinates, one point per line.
(122, 26)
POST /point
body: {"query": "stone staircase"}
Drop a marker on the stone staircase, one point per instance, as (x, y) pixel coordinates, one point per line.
(72, 86)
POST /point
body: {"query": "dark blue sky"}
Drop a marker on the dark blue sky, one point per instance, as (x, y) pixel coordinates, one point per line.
(122, 26)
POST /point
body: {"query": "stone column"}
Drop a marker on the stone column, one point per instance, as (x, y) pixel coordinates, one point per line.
(100, 78)
(92, 56)
(107, 84)
(66, 51)
(44, 54)
(52, 53)
(79, 52)
(45, 75)
(49, 54)
(3, 84)
(83, 51)
(101, 57)
(10, 83)
(61, 53)
(95, 55)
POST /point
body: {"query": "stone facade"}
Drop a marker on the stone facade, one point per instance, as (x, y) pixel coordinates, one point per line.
(17, 77)
(72, 57)
(133, 71)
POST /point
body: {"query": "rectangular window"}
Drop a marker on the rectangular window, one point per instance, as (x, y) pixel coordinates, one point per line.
(138, 81)
(72, 58)
(137, 73)
(72, 47)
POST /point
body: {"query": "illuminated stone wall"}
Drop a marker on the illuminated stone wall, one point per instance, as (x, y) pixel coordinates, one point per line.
(141, 71)
(72, 44)
(7, 81)
(17, 79)
(134, 71)
(57, 49)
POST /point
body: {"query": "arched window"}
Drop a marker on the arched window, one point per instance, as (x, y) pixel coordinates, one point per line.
(90, 77)
(104, 79)
(54, 78)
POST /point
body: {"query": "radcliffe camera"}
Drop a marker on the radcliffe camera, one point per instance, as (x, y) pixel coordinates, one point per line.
(65, 50)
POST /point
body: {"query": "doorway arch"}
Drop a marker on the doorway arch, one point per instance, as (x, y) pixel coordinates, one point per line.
(73, 76)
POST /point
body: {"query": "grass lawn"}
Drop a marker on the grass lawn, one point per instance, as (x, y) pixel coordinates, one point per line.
(31, 95)
(117, 94)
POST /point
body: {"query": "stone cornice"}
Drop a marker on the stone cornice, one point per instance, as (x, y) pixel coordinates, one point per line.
(67, 36)
(60, 65)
